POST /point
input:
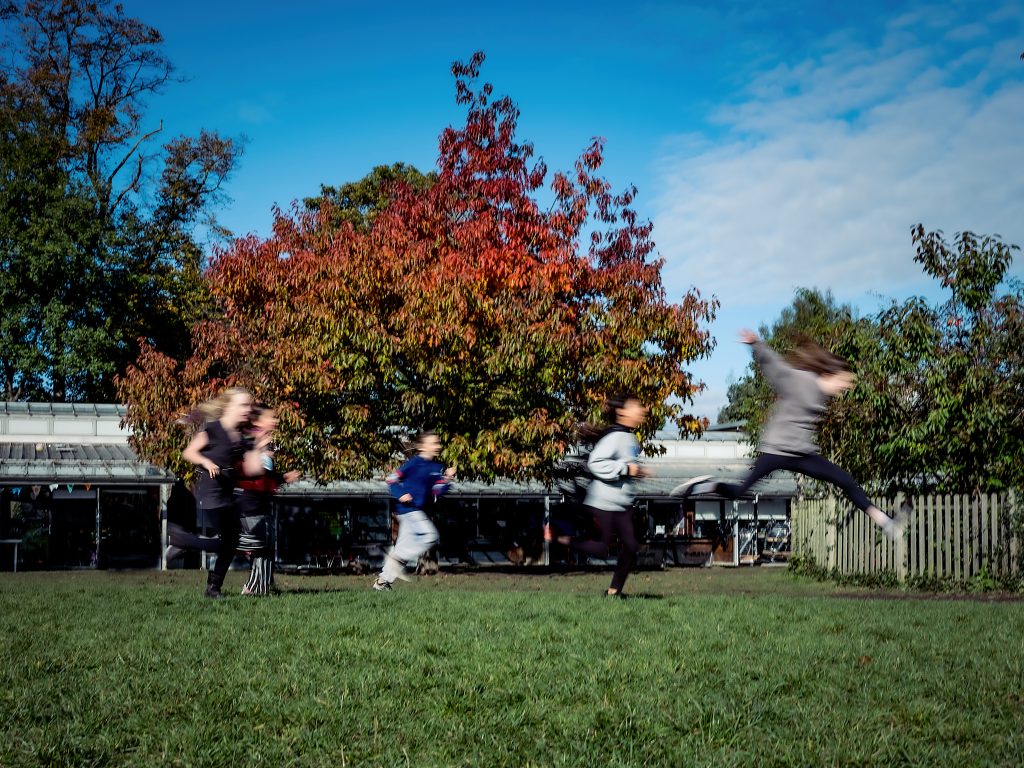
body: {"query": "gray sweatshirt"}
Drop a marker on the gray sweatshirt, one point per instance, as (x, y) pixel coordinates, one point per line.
(793, 426)
(612, 487)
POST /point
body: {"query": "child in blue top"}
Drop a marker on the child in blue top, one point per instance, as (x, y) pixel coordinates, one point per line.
(414, 485)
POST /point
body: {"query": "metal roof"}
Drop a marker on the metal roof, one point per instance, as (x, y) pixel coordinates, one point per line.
(45, 462)
(780, 485)
(92, 410)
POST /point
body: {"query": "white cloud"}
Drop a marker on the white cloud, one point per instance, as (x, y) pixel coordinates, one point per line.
(816, 175)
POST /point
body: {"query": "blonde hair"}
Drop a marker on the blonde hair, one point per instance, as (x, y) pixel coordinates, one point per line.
(213, 408)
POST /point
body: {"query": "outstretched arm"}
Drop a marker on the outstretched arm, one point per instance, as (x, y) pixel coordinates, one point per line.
(444, 482)
(774, 368)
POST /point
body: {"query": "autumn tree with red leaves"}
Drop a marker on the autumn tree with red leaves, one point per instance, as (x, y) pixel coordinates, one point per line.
(464, 305)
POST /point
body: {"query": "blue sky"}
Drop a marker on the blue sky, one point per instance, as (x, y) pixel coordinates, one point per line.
(774, 144)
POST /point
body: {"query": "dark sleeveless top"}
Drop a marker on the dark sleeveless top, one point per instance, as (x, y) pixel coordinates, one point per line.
(217, 491)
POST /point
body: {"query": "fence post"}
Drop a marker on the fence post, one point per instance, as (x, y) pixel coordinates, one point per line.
(994, 548)
(947, 537)
(986, 534)
(975, 536)
(958, 538)
(922, 536)
(914, 540)
(1012, 516)
(828, 521)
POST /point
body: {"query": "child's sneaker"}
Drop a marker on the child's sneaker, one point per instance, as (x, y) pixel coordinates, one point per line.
(894, 526)
(381, 586)
(691, 486)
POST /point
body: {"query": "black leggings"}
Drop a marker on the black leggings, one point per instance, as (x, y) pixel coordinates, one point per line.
(613, 524)
(810, 464)
(178, 536)
(230, 529)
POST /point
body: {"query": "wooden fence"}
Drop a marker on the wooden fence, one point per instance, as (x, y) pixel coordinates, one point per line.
(946, 537)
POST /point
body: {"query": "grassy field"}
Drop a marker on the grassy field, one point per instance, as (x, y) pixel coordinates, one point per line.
(703, 667)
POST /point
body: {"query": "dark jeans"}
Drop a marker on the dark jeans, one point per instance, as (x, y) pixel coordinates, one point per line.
(613, 524)
(810, 464)
(184, 539)
(230, 529)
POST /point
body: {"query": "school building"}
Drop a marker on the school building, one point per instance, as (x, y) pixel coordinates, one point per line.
(74, 495)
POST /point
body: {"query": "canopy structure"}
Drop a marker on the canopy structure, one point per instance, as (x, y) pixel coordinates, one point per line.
(45, 443)
(75, 463)
(660, 486)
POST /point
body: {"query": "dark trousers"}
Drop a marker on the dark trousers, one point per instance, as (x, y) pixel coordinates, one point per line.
(811, 464)
(613, 524)
(230, 529)
(180, 537)
(256, 538)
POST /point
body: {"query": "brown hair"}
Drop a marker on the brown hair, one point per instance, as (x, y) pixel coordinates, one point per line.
(259, 408)
(410, 446)
(811, 356)
(590, 433)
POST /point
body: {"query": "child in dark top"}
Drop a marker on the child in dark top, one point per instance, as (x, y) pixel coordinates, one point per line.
(216, 450)
(804, 385)
(258, 482)
(415, 485)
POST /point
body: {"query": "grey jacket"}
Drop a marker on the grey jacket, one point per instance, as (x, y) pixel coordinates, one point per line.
(612, 487)
(793, 426)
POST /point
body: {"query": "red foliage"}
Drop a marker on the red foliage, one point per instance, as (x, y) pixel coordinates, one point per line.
(467, 307)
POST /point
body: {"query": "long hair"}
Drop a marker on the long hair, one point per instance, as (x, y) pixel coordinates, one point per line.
(589, 432)
(213, 408)
(811, 356)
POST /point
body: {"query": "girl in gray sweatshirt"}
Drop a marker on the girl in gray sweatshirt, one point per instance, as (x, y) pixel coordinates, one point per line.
(614, 467)
(803, 387)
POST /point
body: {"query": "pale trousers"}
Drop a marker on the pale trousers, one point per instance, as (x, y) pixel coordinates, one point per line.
(416, 534)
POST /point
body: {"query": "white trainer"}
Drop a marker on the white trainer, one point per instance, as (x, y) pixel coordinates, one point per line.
(688, 488)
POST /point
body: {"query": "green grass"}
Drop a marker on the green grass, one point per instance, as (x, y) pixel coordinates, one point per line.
(709, 667)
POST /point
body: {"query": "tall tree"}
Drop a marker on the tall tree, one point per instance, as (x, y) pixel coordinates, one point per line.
(464, 305)
(951, 374)
(359, 202)
(940, 398)
(75, 80)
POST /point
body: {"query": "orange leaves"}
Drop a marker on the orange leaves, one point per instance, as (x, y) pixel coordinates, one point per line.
(462, 304)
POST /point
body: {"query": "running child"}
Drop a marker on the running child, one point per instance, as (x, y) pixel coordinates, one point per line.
(414, 485)
(258, 481)
(804, 385)
(216, 450)
(614, 465)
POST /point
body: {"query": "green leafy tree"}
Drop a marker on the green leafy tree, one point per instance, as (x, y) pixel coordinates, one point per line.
(359, 202)
(954, 371)
(96, 253)
(47, 236)
(940, 397)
